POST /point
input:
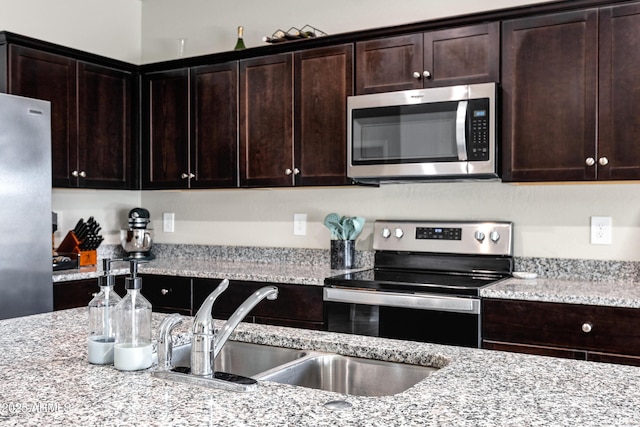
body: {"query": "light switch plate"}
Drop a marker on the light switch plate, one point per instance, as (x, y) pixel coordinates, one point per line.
(299, 224)
(601, 230)
(168, 222)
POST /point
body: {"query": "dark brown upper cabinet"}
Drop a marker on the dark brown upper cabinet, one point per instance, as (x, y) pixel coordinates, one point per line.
(190, 131)
(279, 147)
(569, 97)
(92, 117)
(436, 58)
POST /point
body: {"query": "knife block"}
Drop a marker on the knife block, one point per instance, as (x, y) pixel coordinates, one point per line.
(71, 245)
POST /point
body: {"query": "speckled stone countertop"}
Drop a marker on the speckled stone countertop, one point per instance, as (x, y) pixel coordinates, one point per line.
(215, 269)
(612, 293)
(45, 379)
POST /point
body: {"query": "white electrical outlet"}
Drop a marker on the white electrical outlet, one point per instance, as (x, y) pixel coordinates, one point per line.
(168, 222)
(299, 224)
(601, 230)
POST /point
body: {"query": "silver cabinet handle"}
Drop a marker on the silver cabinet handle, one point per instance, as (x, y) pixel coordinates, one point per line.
(83, 174)
(164, 291)
(603, 161)
(288, 171)
(296, 171)
(426, 74)
(184, 176)
(191, 175)
(74, 174)
(587, 327)
(416, 75)
(590, 161)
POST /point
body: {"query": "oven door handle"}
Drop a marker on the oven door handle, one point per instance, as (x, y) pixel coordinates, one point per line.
(394, 299)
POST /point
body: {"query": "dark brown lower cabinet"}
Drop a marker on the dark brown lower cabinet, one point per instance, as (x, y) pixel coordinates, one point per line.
(167, 294)
(297, 305)
(78, 293)
(585, 332)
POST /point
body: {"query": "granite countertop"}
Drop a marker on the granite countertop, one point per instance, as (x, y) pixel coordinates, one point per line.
(273, 272)
(46, 380)
(605, 293)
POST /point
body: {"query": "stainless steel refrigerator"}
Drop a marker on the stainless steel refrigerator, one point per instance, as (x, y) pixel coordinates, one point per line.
(25, 207)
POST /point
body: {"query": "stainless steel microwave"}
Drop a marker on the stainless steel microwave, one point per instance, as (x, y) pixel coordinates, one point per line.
(439, 133)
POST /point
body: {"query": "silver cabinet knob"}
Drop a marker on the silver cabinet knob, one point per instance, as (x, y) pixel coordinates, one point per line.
(83, 174)
(603, 161)
(479, 235)
(164, 291)
(494, 236)
(191, 175)
(426, 74)
(590, 161)
(587, 327)
(288, 171)
(416, 75)
(184, 175)
(74, 174)
(398, 233)
(386, 233)
(296, 171)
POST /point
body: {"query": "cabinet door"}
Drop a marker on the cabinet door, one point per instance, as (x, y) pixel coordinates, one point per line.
(214, 156)
(166, 129)
(323, 80)
(104, 126)
(296, 305)
(463, 55)
(168, 294)
(388, 64)
(266, 132)
(42, 75)
(618, 154)
(78, 293)
(549, 97)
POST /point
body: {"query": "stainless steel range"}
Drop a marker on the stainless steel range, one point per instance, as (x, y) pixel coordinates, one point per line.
(425, 283)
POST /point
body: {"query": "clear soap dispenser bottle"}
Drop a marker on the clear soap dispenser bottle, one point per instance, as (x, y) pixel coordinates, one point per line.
(101, 319)
(132, 350)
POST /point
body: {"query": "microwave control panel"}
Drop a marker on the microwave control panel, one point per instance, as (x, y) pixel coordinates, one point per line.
(478, 138)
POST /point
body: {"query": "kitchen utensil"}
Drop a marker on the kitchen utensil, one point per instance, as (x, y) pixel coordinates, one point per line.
(358, 225)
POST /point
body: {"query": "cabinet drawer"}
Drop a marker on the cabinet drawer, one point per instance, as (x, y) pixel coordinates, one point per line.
(168, 294)
(583, 327)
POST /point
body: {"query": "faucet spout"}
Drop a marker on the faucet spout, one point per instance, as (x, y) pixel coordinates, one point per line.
(202, 343)
(268, 292)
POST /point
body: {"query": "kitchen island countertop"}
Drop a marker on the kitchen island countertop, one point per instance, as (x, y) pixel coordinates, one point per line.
(46, 380)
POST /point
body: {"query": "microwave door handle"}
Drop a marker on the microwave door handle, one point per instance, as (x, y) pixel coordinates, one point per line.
(461, 140)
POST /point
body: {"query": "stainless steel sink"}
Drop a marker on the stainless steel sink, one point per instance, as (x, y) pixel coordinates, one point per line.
(312, 369)
(242, 358)
(348, 375)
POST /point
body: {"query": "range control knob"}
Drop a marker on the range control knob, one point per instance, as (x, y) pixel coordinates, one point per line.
(494, 236)
(479, 236)
(398, 233)
(386, 233)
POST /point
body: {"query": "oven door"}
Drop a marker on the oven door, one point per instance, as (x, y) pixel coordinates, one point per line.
(415, 317)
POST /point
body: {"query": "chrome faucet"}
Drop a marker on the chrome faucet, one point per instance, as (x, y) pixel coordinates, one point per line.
(205, 346)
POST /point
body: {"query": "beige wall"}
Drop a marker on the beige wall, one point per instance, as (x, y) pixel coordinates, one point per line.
(210, 26)
(550, 220)
(104, 27)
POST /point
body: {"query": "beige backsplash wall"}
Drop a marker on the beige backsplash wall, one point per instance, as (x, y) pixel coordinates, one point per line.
(550, 220)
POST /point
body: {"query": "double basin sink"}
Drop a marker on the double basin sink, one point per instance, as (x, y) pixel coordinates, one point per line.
(312, 369)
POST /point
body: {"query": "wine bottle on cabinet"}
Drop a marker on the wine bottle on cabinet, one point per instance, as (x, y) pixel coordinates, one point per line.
(240, 42)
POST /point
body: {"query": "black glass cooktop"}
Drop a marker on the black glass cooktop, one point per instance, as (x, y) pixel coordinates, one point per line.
(415, 282)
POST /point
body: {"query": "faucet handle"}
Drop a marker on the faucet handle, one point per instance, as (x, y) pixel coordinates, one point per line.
(165, 345)
(203, 322)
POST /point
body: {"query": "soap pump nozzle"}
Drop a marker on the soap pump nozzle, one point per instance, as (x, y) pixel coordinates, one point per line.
(133, 281)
